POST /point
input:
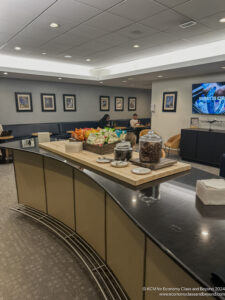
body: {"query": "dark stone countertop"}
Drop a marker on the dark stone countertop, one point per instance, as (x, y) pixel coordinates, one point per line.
(189, 232)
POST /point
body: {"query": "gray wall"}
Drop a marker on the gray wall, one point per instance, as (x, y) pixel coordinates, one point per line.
(87, 102)
(168, 124)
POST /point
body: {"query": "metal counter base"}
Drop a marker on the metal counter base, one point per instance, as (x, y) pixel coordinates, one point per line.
(104, 278)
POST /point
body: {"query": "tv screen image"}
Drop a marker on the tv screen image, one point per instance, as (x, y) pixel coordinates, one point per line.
(208, 98)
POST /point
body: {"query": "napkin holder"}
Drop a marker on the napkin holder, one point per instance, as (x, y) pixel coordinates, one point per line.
(211, 191)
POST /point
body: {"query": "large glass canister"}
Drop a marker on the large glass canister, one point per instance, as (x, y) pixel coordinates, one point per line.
(150, 146)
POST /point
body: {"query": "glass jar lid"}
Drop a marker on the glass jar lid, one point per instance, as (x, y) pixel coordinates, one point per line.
(123, 146)
(151, 137)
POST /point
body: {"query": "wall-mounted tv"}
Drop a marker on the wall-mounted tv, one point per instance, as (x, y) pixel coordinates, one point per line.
(208, 98)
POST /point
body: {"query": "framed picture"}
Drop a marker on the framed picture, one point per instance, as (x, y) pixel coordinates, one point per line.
(194, 123)
(132, 103)
(119, 103)
(28, 143)
(23, 102)
(169, 102)
(69, 102)
(104, 103)
(48, 102)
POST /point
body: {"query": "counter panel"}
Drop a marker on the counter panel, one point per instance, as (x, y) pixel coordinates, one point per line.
(161, 272)
(125, 249)
(30, 180)
(90, 212)
(59, 191)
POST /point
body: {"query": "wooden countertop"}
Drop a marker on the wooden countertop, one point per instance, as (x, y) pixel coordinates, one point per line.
(88, 159)
(6, 137)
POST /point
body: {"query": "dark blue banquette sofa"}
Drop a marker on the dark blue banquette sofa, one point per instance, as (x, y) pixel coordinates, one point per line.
(59, 130)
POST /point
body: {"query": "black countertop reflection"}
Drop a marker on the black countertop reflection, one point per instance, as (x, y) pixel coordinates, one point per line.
(169, 213)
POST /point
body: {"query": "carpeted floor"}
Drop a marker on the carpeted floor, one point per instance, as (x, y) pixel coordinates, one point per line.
(34, 263)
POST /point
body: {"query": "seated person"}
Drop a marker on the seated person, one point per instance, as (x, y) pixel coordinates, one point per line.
(104, 122)
(134, 121)
(1, 129)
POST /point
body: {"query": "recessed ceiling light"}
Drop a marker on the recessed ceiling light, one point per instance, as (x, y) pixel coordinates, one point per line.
(205, 233)
(43, 53)
(222, 20)
(223, 67)
(88, 59)
(5, 73)
(59, 78)
(124, 81)
(101, 82)
(54, 25)
(136, 46)
(17, 48)
(130, 78)
(159, 76)
(67, 56)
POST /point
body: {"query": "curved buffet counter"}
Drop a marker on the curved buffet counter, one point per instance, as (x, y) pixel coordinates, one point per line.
(155, 236)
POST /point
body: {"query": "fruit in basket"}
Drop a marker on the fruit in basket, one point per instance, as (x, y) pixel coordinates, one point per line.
(82, 134)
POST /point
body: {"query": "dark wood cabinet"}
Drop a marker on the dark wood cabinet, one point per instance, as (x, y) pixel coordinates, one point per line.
(202, 145)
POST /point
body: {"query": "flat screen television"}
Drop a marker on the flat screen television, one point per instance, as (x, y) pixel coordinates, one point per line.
(208, 98)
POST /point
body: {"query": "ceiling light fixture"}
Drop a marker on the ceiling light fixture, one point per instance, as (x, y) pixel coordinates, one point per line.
(130, 78)
(17, 48)
(222, 20)
(5, 73)
(54, 25)
(223, 67)
(60, 78)
(159, 76)
(101, 82)
(67, 56)
(136, 46)
(43, 53)
(205, 233)
(187, 24)
(88, 59)
(124, 81)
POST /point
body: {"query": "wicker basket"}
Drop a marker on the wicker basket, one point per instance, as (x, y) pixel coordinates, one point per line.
(104, 149)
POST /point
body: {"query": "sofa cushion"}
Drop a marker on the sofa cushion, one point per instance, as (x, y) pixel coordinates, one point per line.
(54, 128)
(20, 130)
(66, 126)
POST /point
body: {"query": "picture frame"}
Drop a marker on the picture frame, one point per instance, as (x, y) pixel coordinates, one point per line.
(132, 103)
(23, 102)
(48, 102)
(104, 102)
(169, 102)
(119, 103)
(28, 143)
(69, 102)
(194, 123)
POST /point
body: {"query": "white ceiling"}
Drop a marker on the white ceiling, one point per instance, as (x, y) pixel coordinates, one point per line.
(106, 30)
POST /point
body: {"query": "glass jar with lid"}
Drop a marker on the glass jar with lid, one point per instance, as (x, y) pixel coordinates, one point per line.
(150, 146)
(123, 151)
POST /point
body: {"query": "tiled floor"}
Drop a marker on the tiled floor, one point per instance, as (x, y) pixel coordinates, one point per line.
(34, 263)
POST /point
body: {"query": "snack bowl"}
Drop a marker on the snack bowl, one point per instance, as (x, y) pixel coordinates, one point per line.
(119, 164)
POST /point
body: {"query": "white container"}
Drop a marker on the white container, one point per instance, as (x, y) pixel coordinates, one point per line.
(73, 147)
(211, 191)
(43, 137)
